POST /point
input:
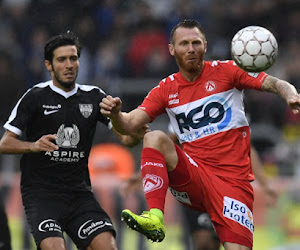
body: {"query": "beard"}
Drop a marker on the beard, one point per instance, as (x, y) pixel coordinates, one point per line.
(65, 84)
(188, 67)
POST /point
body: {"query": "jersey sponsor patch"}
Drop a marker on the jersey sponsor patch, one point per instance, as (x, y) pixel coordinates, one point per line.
(49, 225)
(155, 164)
(49, 112)
(239, 212)
(207, 116)
(152, 182)
(182, 197)
(50, 109)
(68, 137)
(91, 226)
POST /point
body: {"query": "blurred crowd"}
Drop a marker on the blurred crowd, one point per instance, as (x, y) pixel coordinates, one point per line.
(125, 40)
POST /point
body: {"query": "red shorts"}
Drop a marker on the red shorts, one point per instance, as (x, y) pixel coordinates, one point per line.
(228, 201)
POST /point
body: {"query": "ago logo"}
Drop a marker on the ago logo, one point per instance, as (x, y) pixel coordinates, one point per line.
(205, 117)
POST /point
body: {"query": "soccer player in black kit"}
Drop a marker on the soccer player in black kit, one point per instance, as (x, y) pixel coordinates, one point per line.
(57, 120)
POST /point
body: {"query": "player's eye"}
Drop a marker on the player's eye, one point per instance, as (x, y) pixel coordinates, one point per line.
(197, 42)
(60, 59)
(74, 58)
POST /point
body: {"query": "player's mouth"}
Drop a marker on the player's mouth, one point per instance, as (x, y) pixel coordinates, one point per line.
(69, 74)
(191, 60)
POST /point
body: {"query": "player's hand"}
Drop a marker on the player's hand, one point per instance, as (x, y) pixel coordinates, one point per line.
(110, 106)
(131, 185)
(136, 137)
(271, 196)
(294, 103)
(139, 134)
(45, 144)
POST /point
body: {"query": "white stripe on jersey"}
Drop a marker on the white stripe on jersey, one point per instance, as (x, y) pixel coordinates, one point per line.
(13, 114)
(207, 116)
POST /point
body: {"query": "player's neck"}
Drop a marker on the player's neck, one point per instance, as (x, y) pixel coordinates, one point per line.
(192, 74)
(65, 87)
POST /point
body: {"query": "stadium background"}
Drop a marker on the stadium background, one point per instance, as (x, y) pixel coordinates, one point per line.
(125, 53)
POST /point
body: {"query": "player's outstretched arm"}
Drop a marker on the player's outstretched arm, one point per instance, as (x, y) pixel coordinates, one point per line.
(257, 167)
(285, 90)
(10, 144)
(133, 139)
(124, 123)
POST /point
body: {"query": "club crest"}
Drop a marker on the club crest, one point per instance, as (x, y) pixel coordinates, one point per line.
(86, 109)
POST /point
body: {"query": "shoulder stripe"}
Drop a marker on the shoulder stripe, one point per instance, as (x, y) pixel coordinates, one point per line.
(90, 88)
(42, 84)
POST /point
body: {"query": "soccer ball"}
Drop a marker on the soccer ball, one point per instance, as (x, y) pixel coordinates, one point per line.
(254, 49)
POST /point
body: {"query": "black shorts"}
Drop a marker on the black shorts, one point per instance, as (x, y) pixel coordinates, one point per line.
(196, 220)
(78, 214)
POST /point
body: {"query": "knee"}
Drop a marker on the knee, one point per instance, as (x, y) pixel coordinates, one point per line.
(155, 139)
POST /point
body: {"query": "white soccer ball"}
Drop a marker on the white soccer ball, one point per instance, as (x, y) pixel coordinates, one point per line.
(254, 49)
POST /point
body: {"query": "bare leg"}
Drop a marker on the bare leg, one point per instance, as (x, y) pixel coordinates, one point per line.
(52, 243)
(234, 246)
(103, 241)
(162, 142)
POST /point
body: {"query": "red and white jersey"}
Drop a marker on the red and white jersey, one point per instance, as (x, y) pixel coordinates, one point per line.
(208, 115)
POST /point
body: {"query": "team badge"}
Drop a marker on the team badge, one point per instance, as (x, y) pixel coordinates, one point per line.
(152, 182)
(210, 86)
(86, 109)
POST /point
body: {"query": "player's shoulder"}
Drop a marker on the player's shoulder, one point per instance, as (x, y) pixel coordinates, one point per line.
(38, 89)
(170, 79)
(220, 63)
(90, 88)
(41, 85)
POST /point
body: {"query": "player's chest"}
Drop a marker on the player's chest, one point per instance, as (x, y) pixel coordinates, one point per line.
(201, 90)
(79, 111)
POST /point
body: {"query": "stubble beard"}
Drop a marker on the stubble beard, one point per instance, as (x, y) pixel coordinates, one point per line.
(64, 84)
(190, 68)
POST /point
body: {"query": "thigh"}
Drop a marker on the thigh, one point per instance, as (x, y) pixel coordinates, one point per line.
(231, 209)
(43, 213)
(87, 220)
(229, 202)
(103, 241)
(185, 183)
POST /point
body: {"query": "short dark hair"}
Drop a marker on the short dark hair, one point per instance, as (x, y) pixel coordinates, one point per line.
(67, 38)
(187, 23)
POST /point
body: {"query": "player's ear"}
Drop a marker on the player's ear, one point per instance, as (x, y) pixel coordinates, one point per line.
(171, 49)
(48, 65)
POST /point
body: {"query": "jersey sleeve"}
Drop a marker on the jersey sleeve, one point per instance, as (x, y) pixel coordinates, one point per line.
(21, 114)
(245, 80)
(154, 102)
(101, 118)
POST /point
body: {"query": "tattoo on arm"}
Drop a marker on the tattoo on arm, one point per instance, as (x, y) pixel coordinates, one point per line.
(269, 85)
(282, 88)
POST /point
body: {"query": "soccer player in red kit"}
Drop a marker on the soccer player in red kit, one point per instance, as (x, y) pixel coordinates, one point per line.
(211, 171)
